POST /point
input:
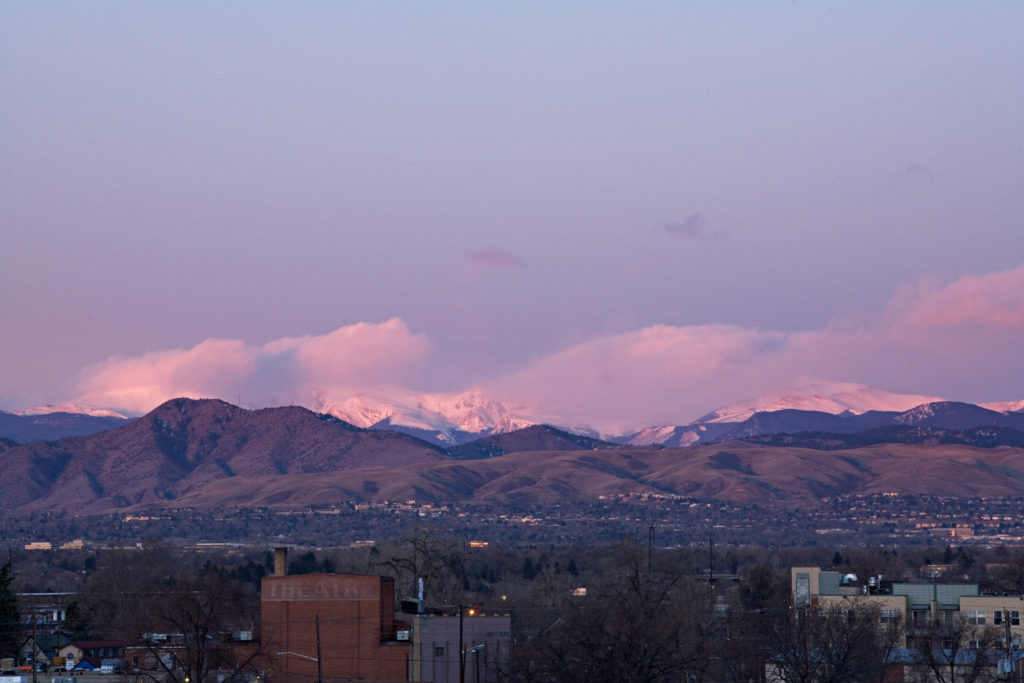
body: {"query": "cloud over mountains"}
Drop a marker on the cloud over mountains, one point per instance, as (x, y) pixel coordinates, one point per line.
(960, 340)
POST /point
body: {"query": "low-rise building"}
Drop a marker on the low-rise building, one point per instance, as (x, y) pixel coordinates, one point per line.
(332, 626)
(952, 617)
(469, 646)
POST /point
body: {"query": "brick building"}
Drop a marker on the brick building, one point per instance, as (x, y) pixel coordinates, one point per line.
(354, 617)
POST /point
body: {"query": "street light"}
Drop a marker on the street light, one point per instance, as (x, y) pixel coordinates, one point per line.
(476, 659)
(319, 677)
(463, 610)
(299, 655)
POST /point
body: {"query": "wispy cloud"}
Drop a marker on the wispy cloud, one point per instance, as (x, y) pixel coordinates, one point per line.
(493, 257)
(917, 172)
(693, 227)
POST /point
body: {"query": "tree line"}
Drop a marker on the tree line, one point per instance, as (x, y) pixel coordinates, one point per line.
(626, 612)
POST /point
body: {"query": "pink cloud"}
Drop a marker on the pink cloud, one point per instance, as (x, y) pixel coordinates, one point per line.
(364, 353)
(659, 373)
(293, 369)
(493, 257)
(935, 339)
(994, 302)
(945, 340)
(209, 369)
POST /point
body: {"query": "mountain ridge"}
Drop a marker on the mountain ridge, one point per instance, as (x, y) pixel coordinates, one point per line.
(449, 420)
(209, 453)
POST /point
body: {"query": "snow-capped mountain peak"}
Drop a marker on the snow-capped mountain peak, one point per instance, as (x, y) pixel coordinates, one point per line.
(1004, 406)
(443, 415)
(833, 398)
(72, 408)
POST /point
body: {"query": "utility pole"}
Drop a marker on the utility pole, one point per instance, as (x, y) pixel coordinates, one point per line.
(35, 647)
(462, 651)
(650, 548)
(711, 559)
(319, 659)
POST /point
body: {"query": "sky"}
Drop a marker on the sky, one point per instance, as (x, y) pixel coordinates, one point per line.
(611, 211)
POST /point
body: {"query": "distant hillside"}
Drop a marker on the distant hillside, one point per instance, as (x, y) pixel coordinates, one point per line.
(734, 471)
(943, 415)
(978, 437)
(53, 426)
(535, 438)
(184, 445)
(209, 453)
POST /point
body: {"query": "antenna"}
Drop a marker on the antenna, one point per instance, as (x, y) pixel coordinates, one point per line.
(711, 558)
(650, 547)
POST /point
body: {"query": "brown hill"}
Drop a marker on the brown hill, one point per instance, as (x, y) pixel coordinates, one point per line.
(183, 446)
(209, 453)
(533, 438)
(733, 471)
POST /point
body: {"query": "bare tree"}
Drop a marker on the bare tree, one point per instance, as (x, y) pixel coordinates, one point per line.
(646, 622)
(197, 616)
(118, 597)
(431, 555)
(952, 650)
(179, 616)
(837, 644)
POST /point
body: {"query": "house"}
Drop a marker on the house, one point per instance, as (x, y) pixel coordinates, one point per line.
(91, 652)
(156, 654)
(42, 649)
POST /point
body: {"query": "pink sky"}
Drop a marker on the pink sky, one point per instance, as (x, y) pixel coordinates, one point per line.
(972, 328)
(609, 212)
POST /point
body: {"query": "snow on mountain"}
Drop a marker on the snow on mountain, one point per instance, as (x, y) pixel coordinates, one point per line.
(833, 398)
(72, 408)
(1004, 406)
(665, 435)
(455, 418)
(444, 415)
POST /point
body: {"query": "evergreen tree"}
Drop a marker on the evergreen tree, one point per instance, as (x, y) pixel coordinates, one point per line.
(529, 571)
(10, 618)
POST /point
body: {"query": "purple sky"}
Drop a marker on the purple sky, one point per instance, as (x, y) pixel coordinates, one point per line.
(603, 207)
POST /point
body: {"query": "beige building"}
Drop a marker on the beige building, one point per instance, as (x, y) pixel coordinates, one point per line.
(919, 605)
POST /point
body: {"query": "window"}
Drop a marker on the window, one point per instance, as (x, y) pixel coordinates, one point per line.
(803, 590)
(1014, 618)
(888, 615)
(438, 651)
(976, 616)
(997, 617)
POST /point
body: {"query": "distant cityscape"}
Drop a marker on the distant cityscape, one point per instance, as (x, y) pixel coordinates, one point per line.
(885, 519)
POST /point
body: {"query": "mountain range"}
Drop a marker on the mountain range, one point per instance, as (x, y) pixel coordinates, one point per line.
(449, 420)
(207, 453)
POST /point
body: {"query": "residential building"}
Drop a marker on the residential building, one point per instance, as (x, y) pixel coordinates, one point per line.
(42, 649)
(91, 652)
(919, 605)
